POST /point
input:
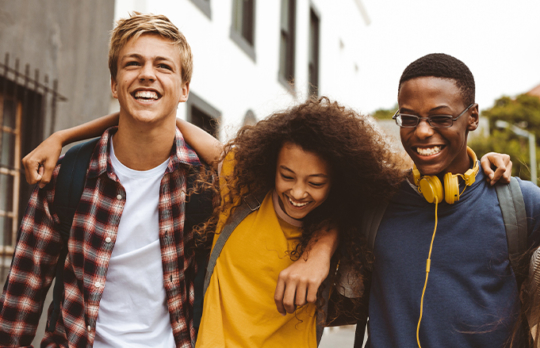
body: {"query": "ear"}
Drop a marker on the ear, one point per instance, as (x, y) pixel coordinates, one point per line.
(114, 86)
(185, 93)
(474, 117)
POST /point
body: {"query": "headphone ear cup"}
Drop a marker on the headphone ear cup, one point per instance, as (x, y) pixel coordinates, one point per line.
(431, 189)
(451, 188)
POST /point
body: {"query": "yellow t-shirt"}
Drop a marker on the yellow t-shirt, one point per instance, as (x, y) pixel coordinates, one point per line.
(239, 309)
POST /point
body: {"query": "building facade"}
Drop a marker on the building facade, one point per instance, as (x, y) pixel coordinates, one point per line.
(252, 57)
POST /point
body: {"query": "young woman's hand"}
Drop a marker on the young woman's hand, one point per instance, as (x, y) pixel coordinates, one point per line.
(298, 284)
(503, 170)
(39, 164)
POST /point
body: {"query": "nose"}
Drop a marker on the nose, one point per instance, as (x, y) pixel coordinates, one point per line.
(423, 130)
(298, 191)
(147, 73)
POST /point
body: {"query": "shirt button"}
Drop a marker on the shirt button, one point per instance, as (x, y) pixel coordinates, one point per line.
(89, 328)
(119, 197)
(97, 285)
(108, 239)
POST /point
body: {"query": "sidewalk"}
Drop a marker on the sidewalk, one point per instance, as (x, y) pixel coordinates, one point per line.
(338, 337)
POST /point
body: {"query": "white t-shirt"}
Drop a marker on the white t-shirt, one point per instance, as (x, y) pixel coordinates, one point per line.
(133, 309)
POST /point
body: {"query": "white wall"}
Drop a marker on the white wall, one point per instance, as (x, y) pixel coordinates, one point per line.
(226, 78)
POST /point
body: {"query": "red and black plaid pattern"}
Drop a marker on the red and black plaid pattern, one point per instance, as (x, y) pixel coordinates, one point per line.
(92, 239)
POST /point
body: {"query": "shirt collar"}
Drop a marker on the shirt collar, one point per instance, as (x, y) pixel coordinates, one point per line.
(181, 154)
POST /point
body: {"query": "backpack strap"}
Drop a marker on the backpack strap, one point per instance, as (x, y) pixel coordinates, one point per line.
(370, 224)
(515, 223)
(250, 204)
(68, 191)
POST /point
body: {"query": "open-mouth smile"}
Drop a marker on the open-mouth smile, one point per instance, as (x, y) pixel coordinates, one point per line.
(428, 150)
(297, 204)
(146, 95)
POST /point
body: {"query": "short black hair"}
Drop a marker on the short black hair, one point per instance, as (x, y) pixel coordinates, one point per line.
(444, 66)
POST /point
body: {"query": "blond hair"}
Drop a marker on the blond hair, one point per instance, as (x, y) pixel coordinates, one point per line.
(139, 24)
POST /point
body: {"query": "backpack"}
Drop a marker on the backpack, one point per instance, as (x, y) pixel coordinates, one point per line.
(69, 188)
(515, 222)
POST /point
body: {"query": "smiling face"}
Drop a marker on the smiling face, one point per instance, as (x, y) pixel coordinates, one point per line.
(148, 83)
(302, 180)
(436, 150)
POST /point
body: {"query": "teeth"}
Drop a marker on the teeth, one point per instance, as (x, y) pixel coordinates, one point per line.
(428, 151)
(146, 94)
(297, 204)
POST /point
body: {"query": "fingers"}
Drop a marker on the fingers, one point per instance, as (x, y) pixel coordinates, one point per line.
(31, 170)
(289, 297)
(312, 292)
(293, 291)
(46, 172)
(278, 295)
(502, 167)
(300, 294)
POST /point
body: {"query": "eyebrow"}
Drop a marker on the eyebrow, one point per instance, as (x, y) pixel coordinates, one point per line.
(138, 56)
(317, 175)
(405, 110)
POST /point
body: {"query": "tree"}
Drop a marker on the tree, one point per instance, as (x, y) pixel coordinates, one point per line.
(385, 114)
(522, 111)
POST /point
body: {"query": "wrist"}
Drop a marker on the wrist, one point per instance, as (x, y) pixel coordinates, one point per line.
(61, 137)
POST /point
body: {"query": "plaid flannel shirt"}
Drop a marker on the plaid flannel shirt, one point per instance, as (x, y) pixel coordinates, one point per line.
(90, 245)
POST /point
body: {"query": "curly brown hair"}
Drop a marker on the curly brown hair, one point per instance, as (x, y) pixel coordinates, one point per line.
(364, 170)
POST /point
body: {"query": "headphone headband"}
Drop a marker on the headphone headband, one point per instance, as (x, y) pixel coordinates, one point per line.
(432, 189)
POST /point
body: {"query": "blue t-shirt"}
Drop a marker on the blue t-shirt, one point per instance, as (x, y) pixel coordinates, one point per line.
(471, 296)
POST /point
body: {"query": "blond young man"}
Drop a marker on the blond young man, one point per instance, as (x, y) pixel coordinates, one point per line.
(128, 254)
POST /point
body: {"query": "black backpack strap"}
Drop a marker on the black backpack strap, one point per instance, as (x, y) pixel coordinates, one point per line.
(371, 220)
(68, 191)
(515, 223)
(250, 204)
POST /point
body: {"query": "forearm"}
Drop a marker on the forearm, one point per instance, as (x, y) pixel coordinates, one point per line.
(323, 244)
(205, 145)
(86, 130)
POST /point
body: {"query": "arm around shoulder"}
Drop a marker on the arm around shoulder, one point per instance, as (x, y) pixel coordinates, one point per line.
(40, 163)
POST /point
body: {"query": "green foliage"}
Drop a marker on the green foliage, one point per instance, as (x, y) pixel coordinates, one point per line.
(522, 111)
(385, 114)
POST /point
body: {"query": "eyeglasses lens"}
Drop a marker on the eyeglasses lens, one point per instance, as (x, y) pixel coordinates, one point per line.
(408, 121)
(441, 121)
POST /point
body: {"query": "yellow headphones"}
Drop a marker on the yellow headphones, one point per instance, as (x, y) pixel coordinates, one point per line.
(431, 188)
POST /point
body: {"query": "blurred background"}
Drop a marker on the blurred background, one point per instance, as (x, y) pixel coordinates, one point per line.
(254, 57)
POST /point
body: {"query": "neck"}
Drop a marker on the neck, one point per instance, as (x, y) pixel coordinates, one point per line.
(143, 147)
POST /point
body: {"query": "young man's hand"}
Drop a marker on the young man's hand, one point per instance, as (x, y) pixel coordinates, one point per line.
(298, 284)
(39, 164)
(503, 170)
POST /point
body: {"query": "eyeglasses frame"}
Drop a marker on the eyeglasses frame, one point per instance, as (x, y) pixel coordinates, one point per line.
(428, 119)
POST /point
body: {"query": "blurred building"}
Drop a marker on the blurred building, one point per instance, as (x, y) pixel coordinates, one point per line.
(254, 57)
(535, 91)
(53, 75)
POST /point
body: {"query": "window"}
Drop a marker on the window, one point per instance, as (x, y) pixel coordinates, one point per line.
(286, 45)
(24, 103)
(10, 171)
(204, 6)
(203, 115)
(243, 26)
(249, 119)
(313, 67)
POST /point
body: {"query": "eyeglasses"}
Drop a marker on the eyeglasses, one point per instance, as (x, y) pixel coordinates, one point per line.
(435, 121)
